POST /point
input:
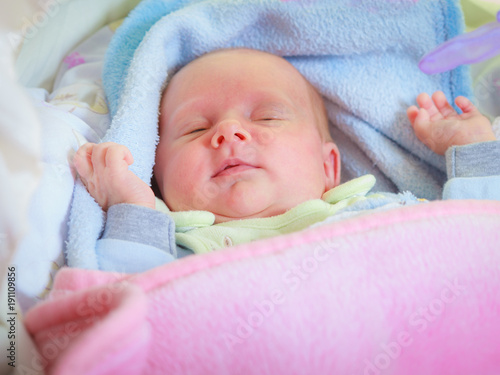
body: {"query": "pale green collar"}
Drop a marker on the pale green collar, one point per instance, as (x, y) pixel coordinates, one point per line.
(188, 220)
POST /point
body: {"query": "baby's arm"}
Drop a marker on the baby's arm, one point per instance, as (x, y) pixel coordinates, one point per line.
(135, 237)
(471, 159)
(103, 169)
(439, 126)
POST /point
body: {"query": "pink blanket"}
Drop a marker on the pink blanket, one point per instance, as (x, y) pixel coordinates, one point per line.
(409, 291)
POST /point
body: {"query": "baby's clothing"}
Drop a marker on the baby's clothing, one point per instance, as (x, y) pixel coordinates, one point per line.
(137, 238)
(195, 230)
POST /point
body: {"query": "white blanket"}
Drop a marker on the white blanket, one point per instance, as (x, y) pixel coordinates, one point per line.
(75, 112)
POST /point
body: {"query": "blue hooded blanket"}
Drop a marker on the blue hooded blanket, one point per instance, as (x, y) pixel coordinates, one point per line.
(361, 55)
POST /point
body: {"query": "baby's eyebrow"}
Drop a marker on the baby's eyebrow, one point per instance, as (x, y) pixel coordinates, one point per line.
(176, 116)
(279, 106)
(272, 99)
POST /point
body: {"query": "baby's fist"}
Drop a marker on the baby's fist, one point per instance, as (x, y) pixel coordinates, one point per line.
(103, 169)
(439, 126)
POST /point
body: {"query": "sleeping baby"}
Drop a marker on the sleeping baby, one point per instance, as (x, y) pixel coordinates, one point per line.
(245, 153)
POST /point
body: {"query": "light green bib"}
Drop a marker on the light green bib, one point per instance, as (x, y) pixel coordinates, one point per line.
(196, 230)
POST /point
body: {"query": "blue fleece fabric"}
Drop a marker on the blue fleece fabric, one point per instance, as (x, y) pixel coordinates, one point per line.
(362, 55)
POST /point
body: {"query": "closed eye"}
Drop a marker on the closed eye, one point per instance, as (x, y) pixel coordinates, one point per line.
(196, 126)
(196, 130)
(269, 118)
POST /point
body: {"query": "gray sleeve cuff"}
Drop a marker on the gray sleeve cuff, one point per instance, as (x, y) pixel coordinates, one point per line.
(140, 224)
(474, 160)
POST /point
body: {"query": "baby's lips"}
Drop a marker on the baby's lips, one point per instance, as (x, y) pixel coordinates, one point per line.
(230, 164)
(234, 170)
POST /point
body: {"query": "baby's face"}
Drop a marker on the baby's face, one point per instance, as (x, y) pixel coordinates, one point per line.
(238, 138)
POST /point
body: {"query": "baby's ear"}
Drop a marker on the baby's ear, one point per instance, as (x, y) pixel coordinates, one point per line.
(331, 163)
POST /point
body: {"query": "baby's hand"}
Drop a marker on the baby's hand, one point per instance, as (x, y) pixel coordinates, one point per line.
(439, 126)
(103, 168)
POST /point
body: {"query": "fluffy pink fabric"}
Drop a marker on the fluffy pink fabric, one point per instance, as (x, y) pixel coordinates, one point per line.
(409, 291)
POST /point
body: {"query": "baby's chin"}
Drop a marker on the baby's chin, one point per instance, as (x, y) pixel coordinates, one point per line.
(225, 213)
(229, 207)
(237, 213)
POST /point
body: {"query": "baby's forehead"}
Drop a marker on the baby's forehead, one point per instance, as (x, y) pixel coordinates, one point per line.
(237, 53)
(225, 67)
(238, 58)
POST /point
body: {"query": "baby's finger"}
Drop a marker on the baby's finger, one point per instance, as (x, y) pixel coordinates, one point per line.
(442, 104)
(423, 117)
(425, 102)
(83, 161)
(85, 150)
(99, 155)
(465, 105)
(422, 126)
(412, 113)
(116, 155)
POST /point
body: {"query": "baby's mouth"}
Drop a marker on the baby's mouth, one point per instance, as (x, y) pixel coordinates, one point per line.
(232, 166)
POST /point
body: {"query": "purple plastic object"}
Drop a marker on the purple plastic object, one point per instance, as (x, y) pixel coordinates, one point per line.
(478, 45)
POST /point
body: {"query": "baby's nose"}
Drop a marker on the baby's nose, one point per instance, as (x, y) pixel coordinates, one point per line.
(230, 130)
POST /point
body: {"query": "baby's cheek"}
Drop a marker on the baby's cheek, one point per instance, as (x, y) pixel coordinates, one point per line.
(184, 188)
